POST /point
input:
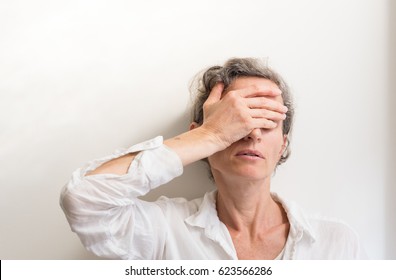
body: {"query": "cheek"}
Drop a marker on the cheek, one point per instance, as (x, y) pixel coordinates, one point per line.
(215, 160)
(276, 146)
(220, 159)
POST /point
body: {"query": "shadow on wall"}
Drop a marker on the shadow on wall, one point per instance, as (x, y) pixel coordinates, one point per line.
(391, 174)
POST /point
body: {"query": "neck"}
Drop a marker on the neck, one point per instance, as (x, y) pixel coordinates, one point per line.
(247, 205)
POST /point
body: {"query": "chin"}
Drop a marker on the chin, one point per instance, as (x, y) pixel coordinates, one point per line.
(250, 174)
(242, 172)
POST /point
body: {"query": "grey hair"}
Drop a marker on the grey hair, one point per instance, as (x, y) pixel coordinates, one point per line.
(235, 68)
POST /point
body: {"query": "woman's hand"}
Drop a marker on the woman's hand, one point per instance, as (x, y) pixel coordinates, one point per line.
(231, 116)
(228, 117)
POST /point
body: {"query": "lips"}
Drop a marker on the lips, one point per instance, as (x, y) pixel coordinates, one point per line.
(250, 153)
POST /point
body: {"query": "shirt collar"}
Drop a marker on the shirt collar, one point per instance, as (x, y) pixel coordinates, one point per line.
(299, 224)
(206, 217)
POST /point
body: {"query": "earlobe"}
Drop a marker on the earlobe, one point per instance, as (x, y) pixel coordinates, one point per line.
(193, 125)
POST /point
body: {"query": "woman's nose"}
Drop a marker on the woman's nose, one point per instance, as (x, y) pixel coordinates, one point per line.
(254, 135)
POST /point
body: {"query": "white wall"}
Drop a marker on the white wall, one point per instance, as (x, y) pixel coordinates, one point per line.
(79, 79)
(391, 147)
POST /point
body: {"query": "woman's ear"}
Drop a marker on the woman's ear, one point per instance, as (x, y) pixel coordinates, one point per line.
(284, 145)
(193, 125)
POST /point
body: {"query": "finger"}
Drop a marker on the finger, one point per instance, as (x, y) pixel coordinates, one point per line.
(264, 123)
(266, 103)
(267, 114)
(215, 94)
(262, 90)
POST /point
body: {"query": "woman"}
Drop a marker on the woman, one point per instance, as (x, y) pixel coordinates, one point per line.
(241, 126)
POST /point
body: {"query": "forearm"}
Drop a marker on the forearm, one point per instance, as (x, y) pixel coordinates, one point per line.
(118, 166)
(190, 146)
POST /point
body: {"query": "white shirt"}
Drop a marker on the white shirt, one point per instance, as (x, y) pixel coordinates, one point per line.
(105, 212)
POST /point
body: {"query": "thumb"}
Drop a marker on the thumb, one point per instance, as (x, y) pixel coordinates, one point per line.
(215, 94)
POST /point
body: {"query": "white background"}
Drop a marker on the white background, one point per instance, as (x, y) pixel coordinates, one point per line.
(79, 79)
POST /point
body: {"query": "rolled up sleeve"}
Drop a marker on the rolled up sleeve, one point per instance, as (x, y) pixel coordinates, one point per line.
(104, 209)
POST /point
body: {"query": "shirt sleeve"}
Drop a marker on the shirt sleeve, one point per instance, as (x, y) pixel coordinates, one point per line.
(104, 209)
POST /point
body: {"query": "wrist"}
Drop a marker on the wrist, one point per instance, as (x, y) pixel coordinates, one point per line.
(194, 145)
(212, 138)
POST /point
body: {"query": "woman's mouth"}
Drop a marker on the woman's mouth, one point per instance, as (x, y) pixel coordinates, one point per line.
(250, 153)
